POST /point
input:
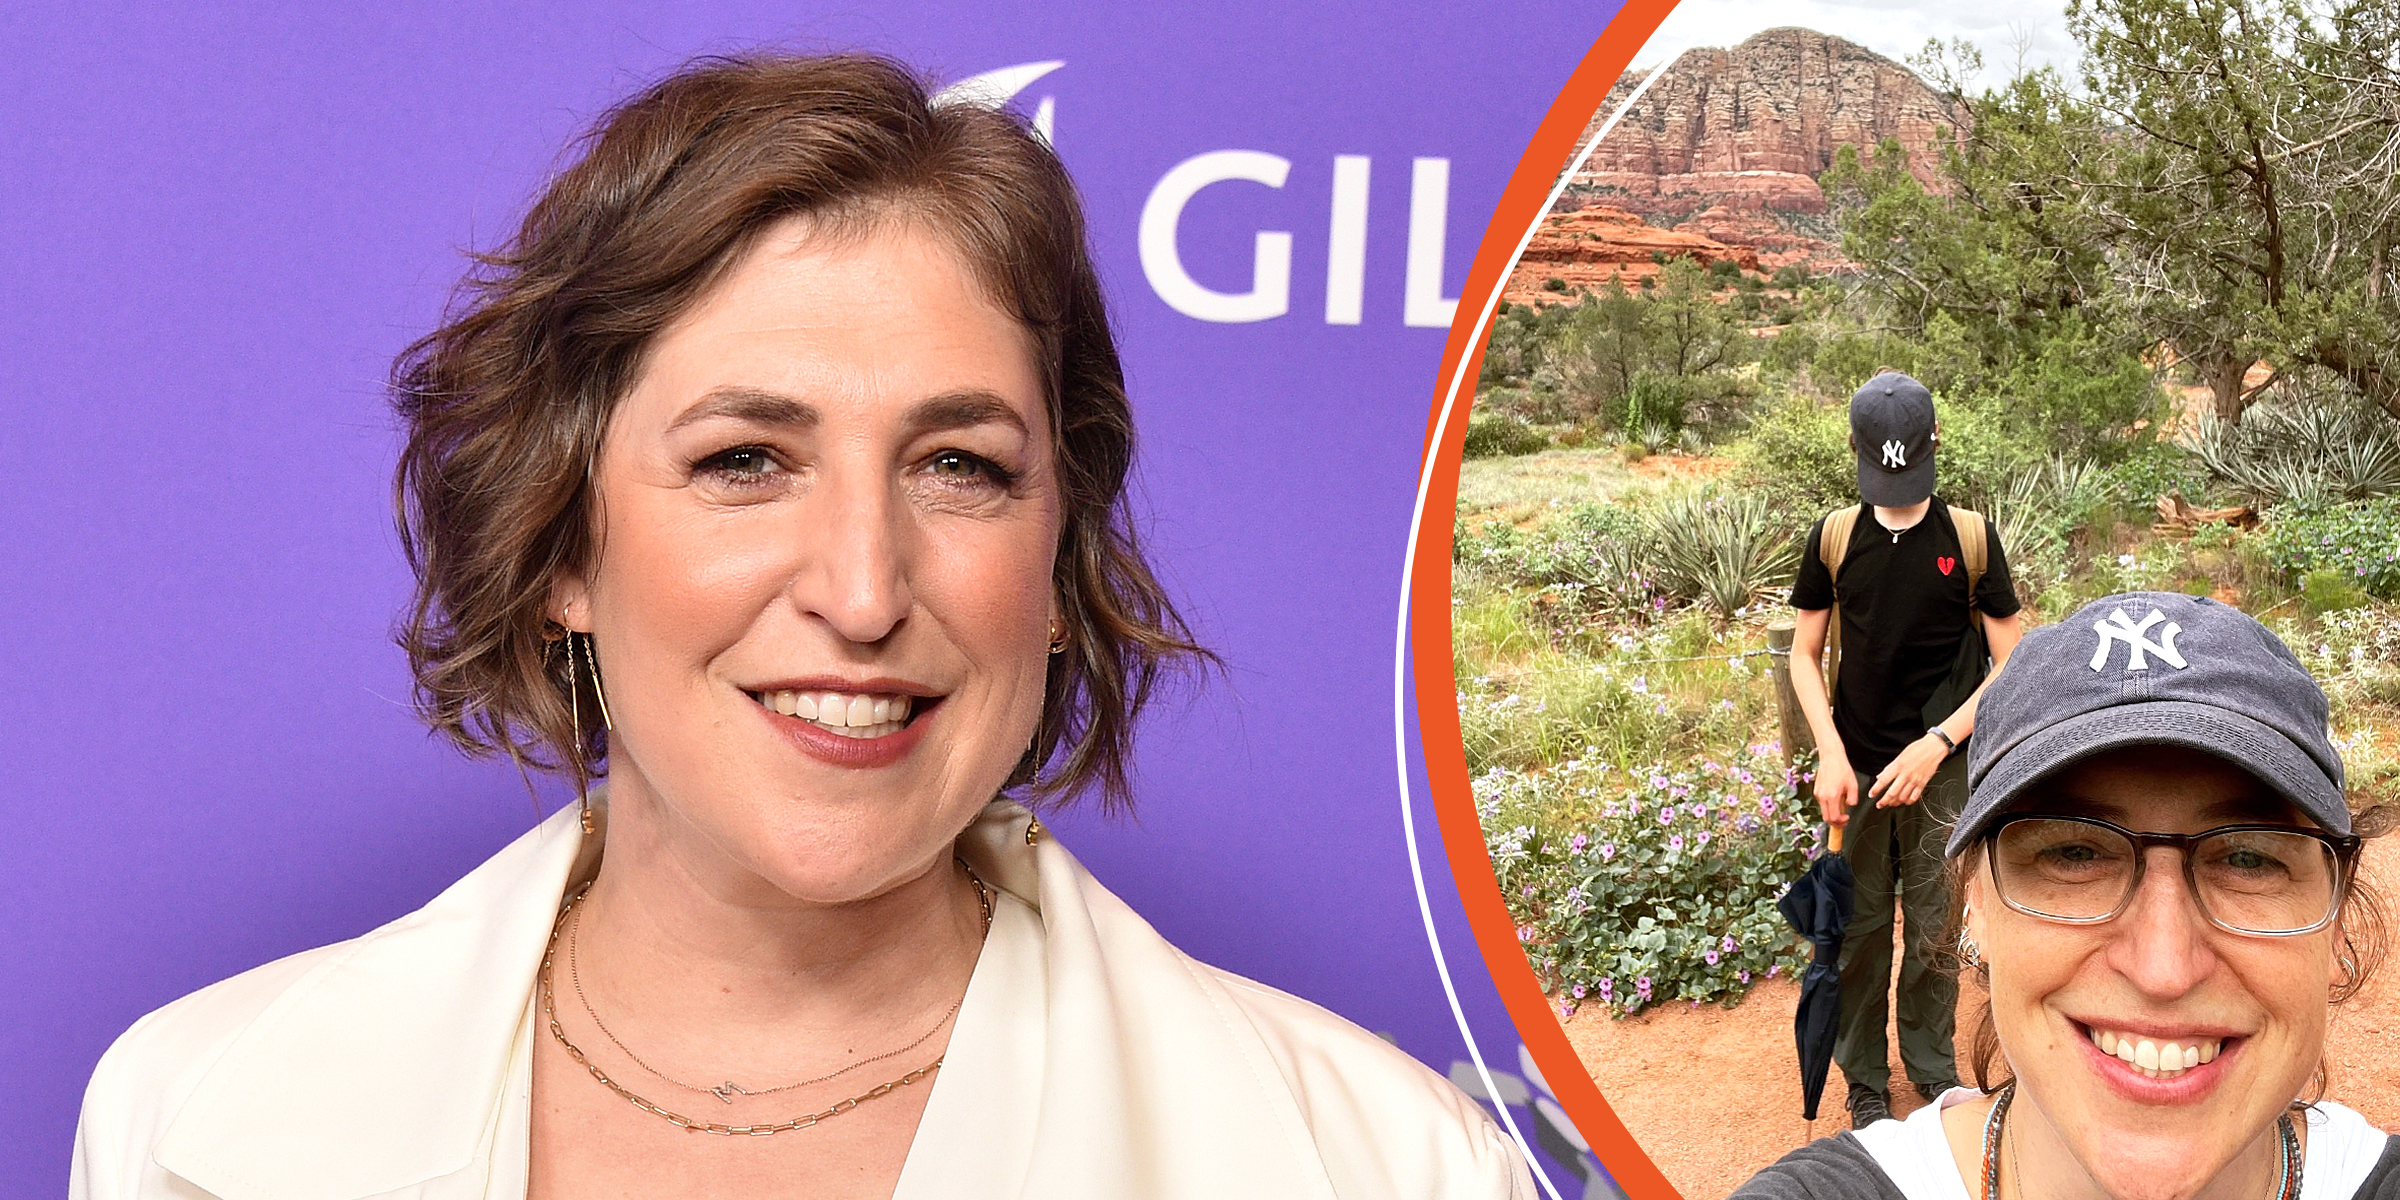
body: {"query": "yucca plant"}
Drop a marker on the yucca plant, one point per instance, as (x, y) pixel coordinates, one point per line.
(2304, 452)
(1720, 549)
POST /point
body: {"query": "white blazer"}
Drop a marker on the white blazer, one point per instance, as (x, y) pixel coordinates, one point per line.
(1091, 1059)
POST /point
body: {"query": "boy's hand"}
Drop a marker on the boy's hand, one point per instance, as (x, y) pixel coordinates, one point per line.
(1903, 782)
(1836, 787)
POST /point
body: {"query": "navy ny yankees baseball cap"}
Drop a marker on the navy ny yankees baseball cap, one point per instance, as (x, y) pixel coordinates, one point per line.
(1891, 427)
(2152, 669)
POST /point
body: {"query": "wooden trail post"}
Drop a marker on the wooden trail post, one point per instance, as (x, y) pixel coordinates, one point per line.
(1797, 739)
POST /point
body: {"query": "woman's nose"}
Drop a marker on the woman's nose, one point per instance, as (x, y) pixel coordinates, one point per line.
(2162, 942)
(853, 568)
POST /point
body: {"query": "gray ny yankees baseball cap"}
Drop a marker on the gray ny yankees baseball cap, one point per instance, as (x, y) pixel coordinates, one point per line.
(1891, 427)
(2152, 669)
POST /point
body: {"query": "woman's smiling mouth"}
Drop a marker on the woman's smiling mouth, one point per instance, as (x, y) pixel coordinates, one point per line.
(862, 715)
(2159, 1066)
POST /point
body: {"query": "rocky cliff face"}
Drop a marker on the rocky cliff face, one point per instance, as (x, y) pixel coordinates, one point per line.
(1583, 250)
(1753, 126)
(1729, 143)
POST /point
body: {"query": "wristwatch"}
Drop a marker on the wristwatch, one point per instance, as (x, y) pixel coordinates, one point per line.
(1937, 731)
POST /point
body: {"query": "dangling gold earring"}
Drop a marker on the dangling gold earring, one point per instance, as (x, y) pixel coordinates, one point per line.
(591, 655)
(1058, 635)
(583, 791)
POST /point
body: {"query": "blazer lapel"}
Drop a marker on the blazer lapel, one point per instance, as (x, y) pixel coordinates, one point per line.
(382, 1068)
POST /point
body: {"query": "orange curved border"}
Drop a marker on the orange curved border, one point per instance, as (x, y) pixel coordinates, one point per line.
(1429, 609)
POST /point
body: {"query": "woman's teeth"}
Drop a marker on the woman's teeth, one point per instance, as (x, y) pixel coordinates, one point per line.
(2156, 1059)
(850, 714)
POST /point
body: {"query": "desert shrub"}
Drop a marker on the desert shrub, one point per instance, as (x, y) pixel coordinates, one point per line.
(1494, 435)
(1592, 557)
(1797, 455)
(2077, 393)
(2303, 452)
(2359, 540)
(2038, 513)
(2326, 590)
(1983, 452)
(2152, 470)
(1667, 891)
(1721, 549)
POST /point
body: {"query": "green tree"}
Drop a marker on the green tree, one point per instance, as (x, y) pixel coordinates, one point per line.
(2247, 186)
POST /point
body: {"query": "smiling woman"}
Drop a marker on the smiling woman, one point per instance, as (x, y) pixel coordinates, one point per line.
(776, 472)
(2160, 891)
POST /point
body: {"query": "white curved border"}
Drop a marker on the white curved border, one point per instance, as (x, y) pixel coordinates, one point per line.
(1416, 524)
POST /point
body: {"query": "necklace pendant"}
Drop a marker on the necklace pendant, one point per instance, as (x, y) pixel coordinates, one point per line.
(727, 1090)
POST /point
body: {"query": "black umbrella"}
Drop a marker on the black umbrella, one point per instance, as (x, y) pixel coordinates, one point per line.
(1818, 906)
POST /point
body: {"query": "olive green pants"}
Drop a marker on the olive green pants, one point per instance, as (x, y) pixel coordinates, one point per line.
(1897, 854)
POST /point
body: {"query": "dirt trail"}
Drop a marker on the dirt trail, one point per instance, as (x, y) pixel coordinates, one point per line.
(1714, 1094)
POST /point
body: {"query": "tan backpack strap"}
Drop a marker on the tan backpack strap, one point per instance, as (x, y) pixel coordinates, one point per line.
(1839, 524)
(1833, 548)
(1974, 547)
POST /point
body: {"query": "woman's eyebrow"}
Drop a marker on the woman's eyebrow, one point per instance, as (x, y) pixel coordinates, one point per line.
(755, 405)
(963, 409)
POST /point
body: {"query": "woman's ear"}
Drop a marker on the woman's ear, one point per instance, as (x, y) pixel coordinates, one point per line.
(570, 601)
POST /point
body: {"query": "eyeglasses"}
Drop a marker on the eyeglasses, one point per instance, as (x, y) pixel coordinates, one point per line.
(2259, 880)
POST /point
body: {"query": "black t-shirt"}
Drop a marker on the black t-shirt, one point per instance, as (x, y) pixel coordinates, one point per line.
(1904, 609)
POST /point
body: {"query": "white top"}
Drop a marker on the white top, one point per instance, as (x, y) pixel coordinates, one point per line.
(2342, 1148)
(1091, 1059)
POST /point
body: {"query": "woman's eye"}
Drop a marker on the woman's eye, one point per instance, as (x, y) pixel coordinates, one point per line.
(741, 461)
(962, 467)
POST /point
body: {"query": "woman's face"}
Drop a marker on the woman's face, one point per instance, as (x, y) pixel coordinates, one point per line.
(2255, 1007)
(821, 603)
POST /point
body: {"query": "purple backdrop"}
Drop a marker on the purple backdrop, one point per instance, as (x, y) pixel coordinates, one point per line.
(220, 228)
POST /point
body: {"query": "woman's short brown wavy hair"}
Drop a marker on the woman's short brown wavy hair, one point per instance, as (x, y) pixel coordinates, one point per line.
(505, 405)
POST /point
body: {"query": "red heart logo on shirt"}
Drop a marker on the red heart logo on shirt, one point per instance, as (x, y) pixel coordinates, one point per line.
(1945, 564)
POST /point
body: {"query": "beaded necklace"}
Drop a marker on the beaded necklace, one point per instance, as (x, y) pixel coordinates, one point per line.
(2287, 1169)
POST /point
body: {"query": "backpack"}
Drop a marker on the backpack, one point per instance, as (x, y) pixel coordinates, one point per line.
(1974, 550)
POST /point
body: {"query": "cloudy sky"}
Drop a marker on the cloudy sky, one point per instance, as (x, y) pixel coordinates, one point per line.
(2003, 29)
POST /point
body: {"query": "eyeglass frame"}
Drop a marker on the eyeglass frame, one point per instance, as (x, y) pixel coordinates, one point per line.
(2345, 848)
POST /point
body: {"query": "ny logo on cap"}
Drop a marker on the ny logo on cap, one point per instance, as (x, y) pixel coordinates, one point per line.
(1895, 454)
(2138, 646)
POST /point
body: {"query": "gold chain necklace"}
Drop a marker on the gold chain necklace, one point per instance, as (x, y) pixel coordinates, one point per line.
(983, 897)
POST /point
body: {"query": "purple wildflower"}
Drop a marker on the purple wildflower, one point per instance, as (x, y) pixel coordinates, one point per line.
(1666, 816)
(1744, 976)
(1577, 991)
(1642, 986)
(1576, 844)
(1703, 837)
(1729, 945)
(1608, 850)
(1711, 956)
(1675, 843)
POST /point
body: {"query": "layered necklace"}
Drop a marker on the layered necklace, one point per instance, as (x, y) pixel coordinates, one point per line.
(728, 1090)
(2287, 1171)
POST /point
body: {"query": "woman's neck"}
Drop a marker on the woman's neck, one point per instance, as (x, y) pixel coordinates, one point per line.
(2037, 1161)
(692, 957)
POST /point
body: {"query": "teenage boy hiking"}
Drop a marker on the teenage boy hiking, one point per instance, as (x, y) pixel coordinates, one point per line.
(1914, 594)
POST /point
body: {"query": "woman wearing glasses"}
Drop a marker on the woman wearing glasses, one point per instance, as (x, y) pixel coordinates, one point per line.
(2156, 869)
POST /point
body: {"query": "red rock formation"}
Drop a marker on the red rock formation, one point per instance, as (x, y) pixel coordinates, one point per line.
(1747, 130)
(1776, 245)
(1784, 101)
(1586, 248)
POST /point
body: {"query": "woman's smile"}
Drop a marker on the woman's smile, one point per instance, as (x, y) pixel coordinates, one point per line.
(2160, 1067)
(865, 725)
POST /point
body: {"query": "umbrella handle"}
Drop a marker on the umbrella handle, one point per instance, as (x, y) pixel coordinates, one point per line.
(1833, 838)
